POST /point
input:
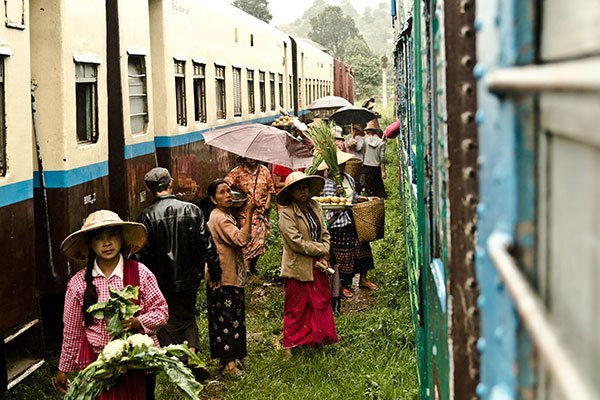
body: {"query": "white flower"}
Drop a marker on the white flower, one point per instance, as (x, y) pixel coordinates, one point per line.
(140, 340)
(114, 349)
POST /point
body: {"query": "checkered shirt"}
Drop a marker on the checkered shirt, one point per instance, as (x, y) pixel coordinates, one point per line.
(153, 314)
(329, 190)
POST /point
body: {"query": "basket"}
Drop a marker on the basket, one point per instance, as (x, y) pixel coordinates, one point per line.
(352, 167)
(369, 219)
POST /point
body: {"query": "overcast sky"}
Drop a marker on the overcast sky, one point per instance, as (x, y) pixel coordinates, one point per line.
(285, 11)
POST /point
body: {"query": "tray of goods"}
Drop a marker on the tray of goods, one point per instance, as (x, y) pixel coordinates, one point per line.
(333, 203)
(283, 121)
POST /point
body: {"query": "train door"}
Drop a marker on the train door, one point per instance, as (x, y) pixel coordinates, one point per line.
(21, 343)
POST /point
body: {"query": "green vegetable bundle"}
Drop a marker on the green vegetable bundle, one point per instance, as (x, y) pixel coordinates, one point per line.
(325, 150)
(131, 351)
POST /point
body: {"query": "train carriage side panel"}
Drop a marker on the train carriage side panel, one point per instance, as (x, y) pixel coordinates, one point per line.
(315, 73)
(69, 65)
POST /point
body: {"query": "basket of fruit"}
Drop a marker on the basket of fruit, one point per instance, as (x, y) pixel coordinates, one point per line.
(333, 202)
(283, 121)
(369, 219)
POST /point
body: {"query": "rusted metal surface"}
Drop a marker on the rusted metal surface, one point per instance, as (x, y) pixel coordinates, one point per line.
(343, 80)
(18, 302)
(462, 193)
(138, 196)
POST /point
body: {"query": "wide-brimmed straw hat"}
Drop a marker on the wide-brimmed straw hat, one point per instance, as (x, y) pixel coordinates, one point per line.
(342, 157)
(76, 245)
(315, 184)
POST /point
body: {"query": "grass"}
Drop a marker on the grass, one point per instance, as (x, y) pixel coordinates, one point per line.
(375, 358)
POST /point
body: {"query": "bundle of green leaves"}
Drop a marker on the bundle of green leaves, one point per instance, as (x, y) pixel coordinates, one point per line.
(325, 150)
(131, 351)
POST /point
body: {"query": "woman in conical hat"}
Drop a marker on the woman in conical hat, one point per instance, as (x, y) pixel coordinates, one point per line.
(308, 317)
(105, 242)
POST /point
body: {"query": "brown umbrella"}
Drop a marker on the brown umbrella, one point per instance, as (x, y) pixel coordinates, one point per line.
(263, 143)
(329, 102)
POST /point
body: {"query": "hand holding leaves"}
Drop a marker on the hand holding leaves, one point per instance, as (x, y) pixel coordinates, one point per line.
(119, 307)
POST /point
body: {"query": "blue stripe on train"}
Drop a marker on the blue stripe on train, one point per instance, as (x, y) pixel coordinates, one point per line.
(16, 192)
(72, 177)
(138, 149)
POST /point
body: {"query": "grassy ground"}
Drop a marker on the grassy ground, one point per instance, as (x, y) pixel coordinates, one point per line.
(375, 358)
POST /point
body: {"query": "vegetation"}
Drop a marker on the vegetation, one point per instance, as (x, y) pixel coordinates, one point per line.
(257, 8)
(332, 29)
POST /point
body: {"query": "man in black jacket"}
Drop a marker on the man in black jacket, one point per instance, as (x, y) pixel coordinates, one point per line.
(179, 245)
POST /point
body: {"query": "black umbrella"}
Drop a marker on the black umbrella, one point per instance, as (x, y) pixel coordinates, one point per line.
(351, 115)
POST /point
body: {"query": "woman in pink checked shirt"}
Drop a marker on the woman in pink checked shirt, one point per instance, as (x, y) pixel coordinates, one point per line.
(105, 242)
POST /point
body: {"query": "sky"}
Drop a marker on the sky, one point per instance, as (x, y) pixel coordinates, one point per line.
(286, 11)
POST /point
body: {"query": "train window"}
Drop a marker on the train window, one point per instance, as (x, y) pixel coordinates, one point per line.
(199, 92)
(291, 93)
(220, 87)
(237, 92)
(251, 40)
(86, 97)
(263, 91)
(2, 125)
(251, 102)
(138, 94)
(272, 89)
(281, 90)
(180, 93)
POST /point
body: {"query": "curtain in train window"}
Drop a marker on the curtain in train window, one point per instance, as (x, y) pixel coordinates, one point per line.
(251, 100)
(237, 92)
(272, 89)
(199, 92)
(220, 91)
(180, 93)
(86, 94)
(2, 124)
(138, 94)
(281, 90)
(263, 91)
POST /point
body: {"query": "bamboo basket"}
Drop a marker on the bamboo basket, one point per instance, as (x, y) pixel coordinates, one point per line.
(369, 219)
(352, 167)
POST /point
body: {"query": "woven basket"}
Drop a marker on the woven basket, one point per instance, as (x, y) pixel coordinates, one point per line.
(369, 219)
(352, 167)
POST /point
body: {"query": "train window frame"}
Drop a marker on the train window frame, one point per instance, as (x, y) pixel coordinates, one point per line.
(180, 94)
(86, 102)
(3, 136)
(262, 91)
(251, 94)
(220, 91)
(272, 96)
(281, 102)
(199, 83)
(137, 78)
(237, 91)
(291, 86)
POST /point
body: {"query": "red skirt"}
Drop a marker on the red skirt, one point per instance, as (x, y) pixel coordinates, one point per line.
(307, 313)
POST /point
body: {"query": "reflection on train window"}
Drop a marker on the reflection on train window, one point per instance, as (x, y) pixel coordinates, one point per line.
(180, 93)
(86, 89)
(237, 92)
(138, 94)
(251, 102)
(199, 92)
(2, 126)
(263, 91)
(272, 89)
(281, 90)
(220, 86)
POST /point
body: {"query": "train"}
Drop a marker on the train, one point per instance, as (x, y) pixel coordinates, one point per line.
(498, 103)
(93, 95)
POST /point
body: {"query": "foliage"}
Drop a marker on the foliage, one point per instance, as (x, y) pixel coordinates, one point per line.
(325, 150)
(127, 351)
(257, 8)
(366, 67)
(332, 29)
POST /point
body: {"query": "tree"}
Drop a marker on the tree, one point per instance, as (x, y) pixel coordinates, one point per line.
(365, 65)
(257, 8)
(332, 29)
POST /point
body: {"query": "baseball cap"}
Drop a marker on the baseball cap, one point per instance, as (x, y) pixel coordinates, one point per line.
(157, 179)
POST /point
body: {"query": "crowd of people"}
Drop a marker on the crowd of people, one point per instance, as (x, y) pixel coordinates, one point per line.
(174, 245)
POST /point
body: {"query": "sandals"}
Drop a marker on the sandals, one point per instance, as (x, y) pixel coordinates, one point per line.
(368, 285)
(347, 293)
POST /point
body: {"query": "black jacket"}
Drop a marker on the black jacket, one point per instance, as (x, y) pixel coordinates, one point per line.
(179, 244)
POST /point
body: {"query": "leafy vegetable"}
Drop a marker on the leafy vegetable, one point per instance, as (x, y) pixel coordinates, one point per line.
(118, 307)
(325, 150)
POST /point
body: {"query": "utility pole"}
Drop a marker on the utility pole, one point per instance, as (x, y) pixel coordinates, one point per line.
(384, 80)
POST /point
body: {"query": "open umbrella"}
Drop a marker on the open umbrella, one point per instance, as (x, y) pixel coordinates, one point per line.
(263, 143)
(351, 114)
(329, 102)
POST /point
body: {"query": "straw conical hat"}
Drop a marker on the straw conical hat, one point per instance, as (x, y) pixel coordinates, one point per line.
(315, 184)
(342, 157)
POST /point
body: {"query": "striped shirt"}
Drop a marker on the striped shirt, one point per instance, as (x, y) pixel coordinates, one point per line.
(152, 315)
(329, 190)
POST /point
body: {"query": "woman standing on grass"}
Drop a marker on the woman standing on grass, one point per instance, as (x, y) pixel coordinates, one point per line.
(226, 306)
(104, 242)
(308, 317)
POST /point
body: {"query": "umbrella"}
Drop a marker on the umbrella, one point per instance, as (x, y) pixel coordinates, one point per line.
(351, 114)
(263, 143)
(329, 102)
